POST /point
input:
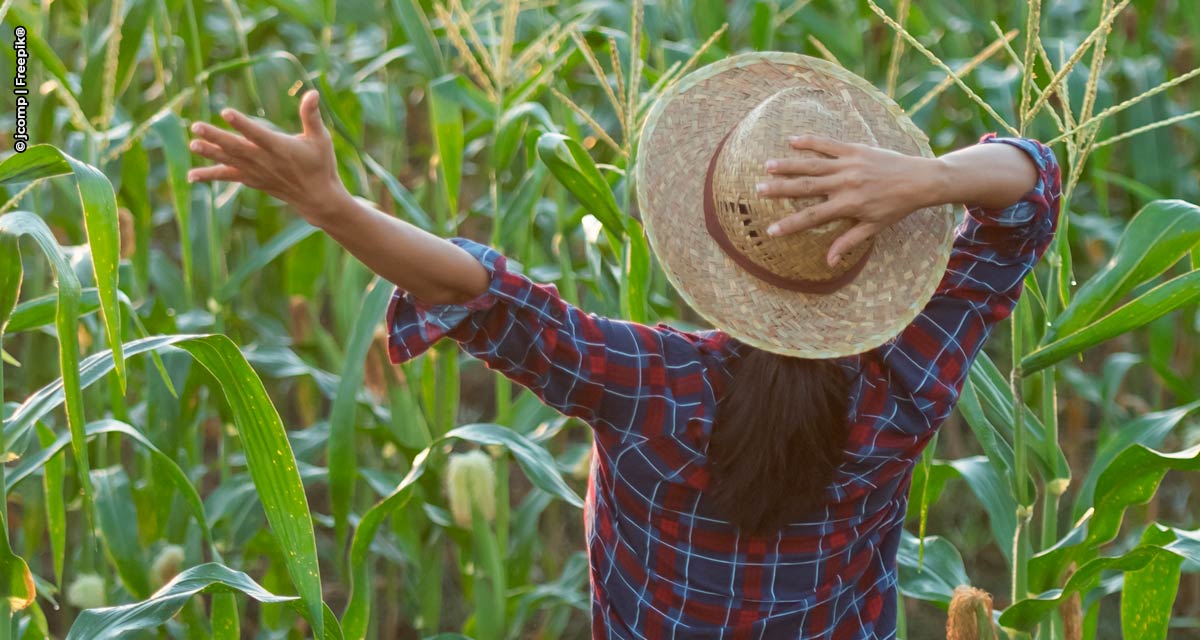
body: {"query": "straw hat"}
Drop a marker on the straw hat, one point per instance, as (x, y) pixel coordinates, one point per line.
(701, 153)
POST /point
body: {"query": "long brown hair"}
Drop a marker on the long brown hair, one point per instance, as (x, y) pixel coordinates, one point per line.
(777, 437)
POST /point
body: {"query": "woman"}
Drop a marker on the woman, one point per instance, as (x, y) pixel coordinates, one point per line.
(750, 485)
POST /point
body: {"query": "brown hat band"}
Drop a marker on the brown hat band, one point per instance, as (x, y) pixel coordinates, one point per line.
(791, 284)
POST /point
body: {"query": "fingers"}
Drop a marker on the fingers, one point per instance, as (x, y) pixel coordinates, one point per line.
(219, 172)
(254, 132)
(800, 166)
(848, 241)
(814, 216)
(820, 144)
(234, 146)
(797, 187)
(310, 115)
(211, 151)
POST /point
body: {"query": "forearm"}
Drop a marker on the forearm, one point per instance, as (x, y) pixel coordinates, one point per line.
(991, 176)
(432, 269)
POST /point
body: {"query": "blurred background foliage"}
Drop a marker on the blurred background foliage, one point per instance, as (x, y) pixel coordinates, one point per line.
(251, 434)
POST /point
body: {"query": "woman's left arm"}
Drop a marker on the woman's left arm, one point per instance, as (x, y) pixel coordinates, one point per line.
(628, 380)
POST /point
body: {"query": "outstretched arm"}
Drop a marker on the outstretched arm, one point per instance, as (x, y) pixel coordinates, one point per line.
(630, 381)
(302, 171)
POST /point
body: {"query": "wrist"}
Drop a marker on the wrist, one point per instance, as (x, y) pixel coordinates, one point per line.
(937, 181)
(325, 209)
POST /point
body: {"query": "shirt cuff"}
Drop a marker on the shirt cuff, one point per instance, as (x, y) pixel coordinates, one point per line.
(1036, 202)
(413, 325)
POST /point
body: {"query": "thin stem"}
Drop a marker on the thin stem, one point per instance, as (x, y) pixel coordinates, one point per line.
(1020, 551)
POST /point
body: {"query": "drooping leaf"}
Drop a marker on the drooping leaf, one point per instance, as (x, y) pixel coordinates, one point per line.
(1027, 613)
(99, 204)
(117, 622)
(23, 223)
(51, 446)
(269, 455)
(933, 578)
(1148, 430)
(1131, 478)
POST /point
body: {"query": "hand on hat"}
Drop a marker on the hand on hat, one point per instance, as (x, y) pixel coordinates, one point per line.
(877, 187)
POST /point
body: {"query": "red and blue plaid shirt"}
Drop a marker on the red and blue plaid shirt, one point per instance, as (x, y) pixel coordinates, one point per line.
(663, 564)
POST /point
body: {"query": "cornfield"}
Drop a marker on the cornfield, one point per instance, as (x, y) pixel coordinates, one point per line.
(203, 436)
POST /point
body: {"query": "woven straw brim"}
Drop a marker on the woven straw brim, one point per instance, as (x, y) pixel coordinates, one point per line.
(681, 132)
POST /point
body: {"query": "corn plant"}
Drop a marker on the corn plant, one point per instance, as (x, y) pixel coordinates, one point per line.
(203, 436)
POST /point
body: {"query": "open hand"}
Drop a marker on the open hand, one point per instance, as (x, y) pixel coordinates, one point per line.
(299, 169)
(874, 186)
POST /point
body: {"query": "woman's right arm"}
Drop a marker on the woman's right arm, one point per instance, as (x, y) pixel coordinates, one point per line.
(1011, 187)
(994, 249)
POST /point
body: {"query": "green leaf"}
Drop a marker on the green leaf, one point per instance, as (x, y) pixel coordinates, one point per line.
(1156, 238)
(170, 130)
(411, 17)
(1026, 614)
(54, 474)
(269, 456)
(118, 622)
(536, 462)
(511, 128)
(447, 125)
(1131, 478)
(23, 223)
(1149, 592)
(225, 624)
(576, 171)
(993, 492)
(635, 283)
(99, 205)
(37, 162)
(295, 232)
(11, 274)
(117, 519)
(934, 577)
(1149, 430)
(342, 460)
(1147, 307)
(48, 457)
(271, 463)
(995, 399)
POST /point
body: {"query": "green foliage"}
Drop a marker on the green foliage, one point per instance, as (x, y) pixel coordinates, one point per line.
(294, 438)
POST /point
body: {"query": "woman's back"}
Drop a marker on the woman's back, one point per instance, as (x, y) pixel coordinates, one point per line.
(663, 564)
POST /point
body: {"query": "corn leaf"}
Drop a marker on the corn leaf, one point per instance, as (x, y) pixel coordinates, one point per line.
(99, 205)
(1149, 306)
(269, 456)
(576, 171)
(1156, 238)
(118, 622)
(343, 463)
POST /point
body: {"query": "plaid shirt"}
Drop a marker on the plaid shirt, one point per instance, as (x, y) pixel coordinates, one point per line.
(663, 564)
